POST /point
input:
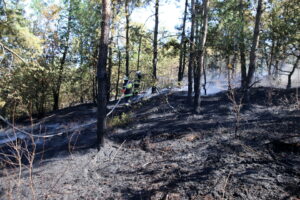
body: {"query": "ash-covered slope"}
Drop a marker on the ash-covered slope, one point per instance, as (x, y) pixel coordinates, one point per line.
(159, 149)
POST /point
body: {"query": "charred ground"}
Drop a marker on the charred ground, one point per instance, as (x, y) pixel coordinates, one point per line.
(159, 149)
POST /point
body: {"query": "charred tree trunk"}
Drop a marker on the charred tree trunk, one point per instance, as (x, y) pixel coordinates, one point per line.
(254, 46)
(154, 61)
(101, 73)
(192, 55)
(197, 100)
(182, 45)
(127, 37)
(289, 85)
(93, 74)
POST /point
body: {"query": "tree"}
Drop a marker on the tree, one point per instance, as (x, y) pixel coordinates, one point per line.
(192, 54)
(154, 61)
(201, 52)
(254, 46)
(183, 43)
(242, 46)
(101, 73)
(57, 86)
(127, 36)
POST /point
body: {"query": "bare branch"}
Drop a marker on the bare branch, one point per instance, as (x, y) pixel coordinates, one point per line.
(13, 52)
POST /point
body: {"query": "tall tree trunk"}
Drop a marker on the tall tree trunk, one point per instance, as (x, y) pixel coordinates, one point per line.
(127, 37)
(182, 45)
(242, 46)
(254, 46)
(93, 74)
(192, 54)
(101, 73)
(272, 57)
(289, 85)
(139, 53)
(228, 65)
(204, 74)
(109, 71)
(57, 87)
(110, 52)
(202, 44)
(118, 76)
(154, 61)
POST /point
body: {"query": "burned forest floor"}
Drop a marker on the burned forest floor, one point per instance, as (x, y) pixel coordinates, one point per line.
(159, 149)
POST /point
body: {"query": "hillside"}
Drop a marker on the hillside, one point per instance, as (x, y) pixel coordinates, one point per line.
(159, 149)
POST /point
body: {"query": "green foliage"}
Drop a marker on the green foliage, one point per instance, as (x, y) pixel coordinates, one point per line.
(119, 121)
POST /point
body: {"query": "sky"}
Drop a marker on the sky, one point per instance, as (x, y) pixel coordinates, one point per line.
(170, 15)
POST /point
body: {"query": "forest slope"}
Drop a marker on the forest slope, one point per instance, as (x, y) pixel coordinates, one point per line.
(159, 149)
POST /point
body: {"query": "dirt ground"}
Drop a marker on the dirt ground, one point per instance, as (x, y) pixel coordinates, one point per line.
(160, 149)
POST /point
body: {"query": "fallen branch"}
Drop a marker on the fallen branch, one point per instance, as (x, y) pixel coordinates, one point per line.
(13, 52)
(226, 181)
(112, 159)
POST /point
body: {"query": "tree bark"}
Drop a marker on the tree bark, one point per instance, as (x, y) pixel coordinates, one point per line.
(182, 45)
(192, 54)
(101, 73)
(154, 61)
(289, 85)
(254, 46)
(271, 59)
(110, 53)
(127, 37)
(242, 47)
(57, 87)
(139, 53)
(204, 75)
(197, 99)
(118, 76)
(109, 71)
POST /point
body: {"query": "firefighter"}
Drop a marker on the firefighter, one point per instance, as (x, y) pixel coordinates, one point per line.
(127, 89)
(137, 82)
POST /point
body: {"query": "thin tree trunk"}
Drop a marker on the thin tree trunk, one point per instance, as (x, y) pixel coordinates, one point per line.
(93, 74)
(228, 72)
(182, 45)
(271, 59)
(242, 46)
(118, 76)
(154, 61)
(254, 46)
(101, 73)
(109, 71)
(127, 37)
(57, 87)
(197, 100)
(204, 75)
(233, 62)
(110, 53)
(192, 55)
(139, 53)
(289, 85)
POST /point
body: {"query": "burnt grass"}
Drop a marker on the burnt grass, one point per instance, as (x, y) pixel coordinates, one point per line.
(165, 151)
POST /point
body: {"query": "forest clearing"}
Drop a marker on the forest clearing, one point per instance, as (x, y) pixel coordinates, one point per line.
(149, 99)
